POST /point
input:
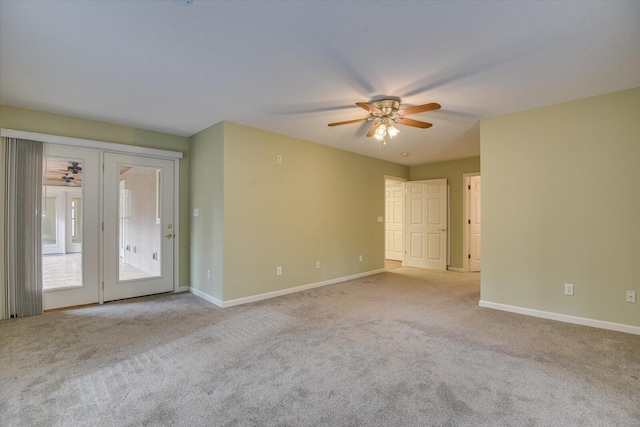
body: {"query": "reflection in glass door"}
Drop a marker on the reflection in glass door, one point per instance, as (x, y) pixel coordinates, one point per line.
(61, 257)
(138, 234)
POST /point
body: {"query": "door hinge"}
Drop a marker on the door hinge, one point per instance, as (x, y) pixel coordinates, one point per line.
(469, 256)
(103, 226)
(103, 167)
(103, 286)
(469, 221)
(469, 187)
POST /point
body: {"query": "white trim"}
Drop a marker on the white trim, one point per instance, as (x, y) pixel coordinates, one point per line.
(274, 294)
(89, 143)
(182, 289)
(176, 226)
(394, 178)
(206, 297)
(448, 227)
(562, 317)
(458, 269)
(465, 218)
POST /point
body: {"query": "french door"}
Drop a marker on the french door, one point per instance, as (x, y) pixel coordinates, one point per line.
(70, 231)
(138, 233)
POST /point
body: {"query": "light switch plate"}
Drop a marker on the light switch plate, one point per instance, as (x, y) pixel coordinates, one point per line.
(380, 219)
(196, 212)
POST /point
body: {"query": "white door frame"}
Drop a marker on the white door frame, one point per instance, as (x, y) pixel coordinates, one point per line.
(465, 219)
(102, 146)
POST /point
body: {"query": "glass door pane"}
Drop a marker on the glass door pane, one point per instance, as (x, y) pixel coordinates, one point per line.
(139, 230)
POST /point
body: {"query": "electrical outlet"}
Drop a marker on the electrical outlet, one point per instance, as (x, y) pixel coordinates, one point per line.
(278, 271)
(631, 296)
(317, 264)
(568, 289)
(360, 258)
(279, 158)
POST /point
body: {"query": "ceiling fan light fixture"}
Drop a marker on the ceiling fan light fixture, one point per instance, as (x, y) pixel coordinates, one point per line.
(382, 130)
(392, 131)
(378, 136)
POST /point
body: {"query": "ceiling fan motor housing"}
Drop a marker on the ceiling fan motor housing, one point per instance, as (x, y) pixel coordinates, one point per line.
(387, 106)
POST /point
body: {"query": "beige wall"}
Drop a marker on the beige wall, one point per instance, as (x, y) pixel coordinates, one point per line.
(453, 171)
(207, 179)
(320, 204)
(561, 202)
(57, 124)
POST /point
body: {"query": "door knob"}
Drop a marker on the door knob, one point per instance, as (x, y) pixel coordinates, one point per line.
(443, 229)
(169, 236)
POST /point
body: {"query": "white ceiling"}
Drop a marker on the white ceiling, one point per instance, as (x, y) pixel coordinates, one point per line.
(293, 67)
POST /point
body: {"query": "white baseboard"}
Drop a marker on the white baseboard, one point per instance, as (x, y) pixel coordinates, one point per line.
(461, 270)
(619, 327)
(268, 295)
(182, 289)
(206, 297)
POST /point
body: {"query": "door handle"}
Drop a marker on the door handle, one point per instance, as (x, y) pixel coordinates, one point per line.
(443, 229)
(169, 236)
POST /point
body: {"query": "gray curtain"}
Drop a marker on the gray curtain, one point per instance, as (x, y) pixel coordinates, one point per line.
(22, 281)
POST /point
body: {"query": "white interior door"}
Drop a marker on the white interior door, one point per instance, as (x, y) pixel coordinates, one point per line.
(72, 279)
(138, 217)
(426, 224)
(394, 221)
(475, 246)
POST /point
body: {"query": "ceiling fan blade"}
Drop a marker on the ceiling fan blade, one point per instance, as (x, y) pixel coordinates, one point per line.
(419, 109)
(370, 108)
(348, 122)
(372, 131)
(414, 123)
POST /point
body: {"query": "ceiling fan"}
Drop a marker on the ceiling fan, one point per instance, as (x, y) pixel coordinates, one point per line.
(74, 168)
(385, 113)
(70, 176)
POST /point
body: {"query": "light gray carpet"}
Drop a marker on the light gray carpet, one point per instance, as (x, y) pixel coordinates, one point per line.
(404, 348)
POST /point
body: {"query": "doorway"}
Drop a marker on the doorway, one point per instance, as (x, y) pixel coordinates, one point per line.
(394, 223)
(94, 202)
(472, 226)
